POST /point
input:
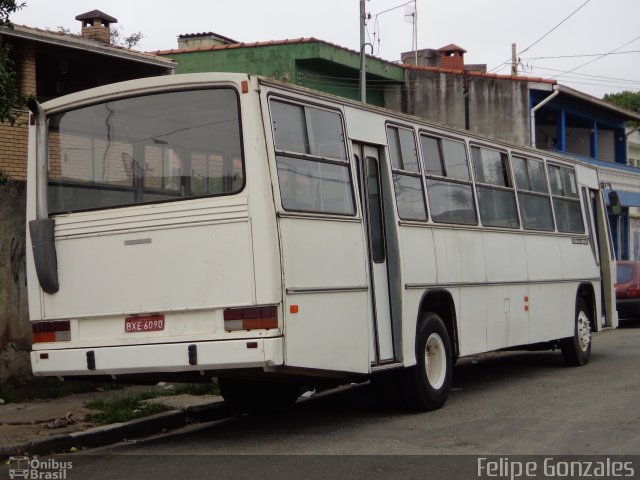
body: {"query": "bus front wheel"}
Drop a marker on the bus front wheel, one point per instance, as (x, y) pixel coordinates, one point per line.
(426, 385)
(576, 350)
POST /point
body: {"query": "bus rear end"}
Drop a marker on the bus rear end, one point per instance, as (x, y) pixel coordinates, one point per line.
(154, 247)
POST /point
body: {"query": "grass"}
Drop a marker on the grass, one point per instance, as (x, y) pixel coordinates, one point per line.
(124, 409)
(136, 405)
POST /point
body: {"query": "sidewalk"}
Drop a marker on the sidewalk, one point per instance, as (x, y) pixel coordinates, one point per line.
(41, 427)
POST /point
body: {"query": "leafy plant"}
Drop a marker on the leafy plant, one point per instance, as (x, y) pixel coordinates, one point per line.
(627, 99)
(8, 87)
(4, 179)
(118, 38)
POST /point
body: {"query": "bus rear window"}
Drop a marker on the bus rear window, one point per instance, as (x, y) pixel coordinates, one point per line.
(153, 148)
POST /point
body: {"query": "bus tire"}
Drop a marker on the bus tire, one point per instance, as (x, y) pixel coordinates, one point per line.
(576, 350)
(256, 396)
(426, 385)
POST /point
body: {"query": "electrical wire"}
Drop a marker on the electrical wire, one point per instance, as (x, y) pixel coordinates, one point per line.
(501, 65)
(579, 55)
(596, 59)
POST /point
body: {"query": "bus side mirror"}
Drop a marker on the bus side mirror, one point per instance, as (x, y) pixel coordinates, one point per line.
(614, 203)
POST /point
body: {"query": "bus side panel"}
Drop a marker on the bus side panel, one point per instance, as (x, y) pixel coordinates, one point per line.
(472, 322)
(577, 260)
(419, 268)
(507, 318)
(325, 276)
(459, 256)
(460, 260)
(546, 298)
(548, 312)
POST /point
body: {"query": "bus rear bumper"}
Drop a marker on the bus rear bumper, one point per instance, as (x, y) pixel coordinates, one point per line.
(167, 357)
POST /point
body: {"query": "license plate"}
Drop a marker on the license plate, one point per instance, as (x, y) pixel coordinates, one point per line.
(152, 323)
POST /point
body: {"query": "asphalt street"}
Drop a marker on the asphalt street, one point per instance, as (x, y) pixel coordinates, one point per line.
(502, 404)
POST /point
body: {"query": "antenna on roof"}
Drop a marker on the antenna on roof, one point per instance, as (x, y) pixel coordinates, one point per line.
(411, 16)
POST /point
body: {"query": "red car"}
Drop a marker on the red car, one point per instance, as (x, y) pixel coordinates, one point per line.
(628, 289)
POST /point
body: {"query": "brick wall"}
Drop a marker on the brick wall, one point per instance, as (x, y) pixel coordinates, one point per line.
(13, 147)
(24, 54)
(452, 62)
(13, 137)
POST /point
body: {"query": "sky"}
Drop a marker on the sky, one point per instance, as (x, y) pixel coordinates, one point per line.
(598, 41)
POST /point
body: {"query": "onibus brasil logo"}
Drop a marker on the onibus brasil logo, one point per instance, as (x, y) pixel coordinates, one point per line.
(33, 468)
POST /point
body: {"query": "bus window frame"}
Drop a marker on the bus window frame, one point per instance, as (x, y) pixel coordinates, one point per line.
(507, 175)
(347, 162)
(134, 187)
(408, 173)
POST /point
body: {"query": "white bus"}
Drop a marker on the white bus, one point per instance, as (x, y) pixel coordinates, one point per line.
(226, 225)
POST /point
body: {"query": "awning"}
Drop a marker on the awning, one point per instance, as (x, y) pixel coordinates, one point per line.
(627, 199)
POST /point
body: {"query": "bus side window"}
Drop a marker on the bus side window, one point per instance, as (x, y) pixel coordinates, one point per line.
(311, 158)
(496, 197)
(448, 181)
(407, 177)
(533, 194)
(566, 202)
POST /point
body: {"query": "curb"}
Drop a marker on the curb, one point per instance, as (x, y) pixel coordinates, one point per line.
(109, 434)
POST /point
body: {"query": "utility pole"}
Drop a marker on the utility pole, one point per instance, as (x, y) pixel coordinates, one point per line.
(363, 72)
(514, 61)
(415, 30)
(465, 85)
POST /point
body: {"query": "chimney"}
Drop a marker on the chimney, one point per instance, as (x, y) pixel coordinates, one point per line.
(452, 57)
(96, 26)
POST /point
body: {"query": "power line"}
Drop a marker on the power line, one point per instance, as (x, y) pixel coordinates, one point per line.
(578, 55)
(596, 59)
(501, 66)
(581, 75)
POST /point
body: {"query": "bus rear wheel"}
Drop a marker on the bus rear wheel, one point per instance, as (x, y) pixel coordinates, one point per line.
(576, 350)
(256, 396)
(425, 386)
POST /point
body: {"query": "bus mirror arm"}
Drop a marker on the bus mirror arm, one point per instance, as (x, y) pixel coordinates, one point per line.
(42, 228)
(614, 202)
(44, 253)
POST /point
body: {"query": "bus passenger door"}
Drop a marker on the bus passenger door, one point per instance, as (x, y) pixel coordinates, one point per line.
(368, 162)
(600, 236)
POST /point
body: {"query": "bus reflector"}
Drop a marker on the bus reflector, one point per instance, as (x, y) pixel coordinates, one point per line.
(253, 318)
(51, 331)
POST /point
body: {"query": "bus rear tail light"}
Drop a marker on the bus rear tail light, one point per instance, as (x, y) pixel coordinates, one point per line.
(253, 318)
(51, 331)
(633, 291)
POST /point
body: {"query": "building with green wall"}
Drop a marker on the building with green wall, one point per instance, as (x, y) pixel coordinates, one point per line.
(307, 62)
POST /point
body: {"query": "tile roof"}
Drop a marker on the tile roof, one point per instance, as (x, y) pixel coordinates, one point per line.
(452, 47)
(79, 42)
(473, 73)
(289, 41)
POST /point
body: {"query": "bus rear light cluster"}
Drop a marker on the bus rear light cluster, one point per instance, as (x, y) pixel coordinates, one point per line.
(51, 331)
(253, 318)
